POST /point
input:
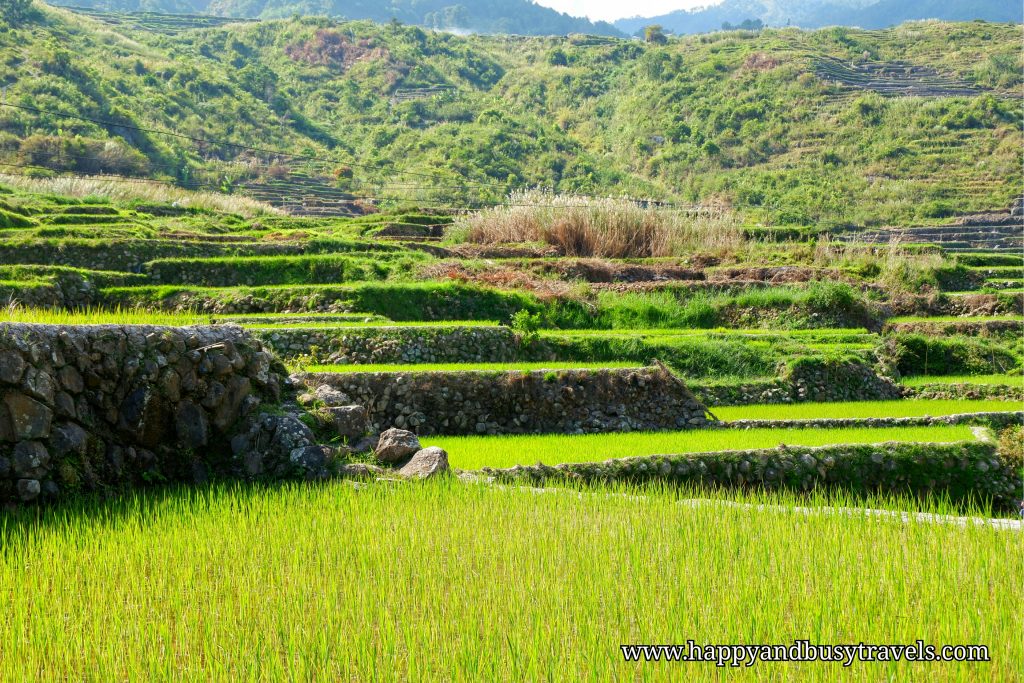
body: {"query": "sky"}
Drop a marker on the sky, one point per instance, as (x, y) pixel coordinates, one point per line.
(610, 10)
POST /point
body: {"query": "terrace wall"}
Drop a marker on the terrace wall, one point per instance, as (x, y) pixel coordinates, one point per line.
(107, 407)
(807, 380)
(969, 471)
(568, 402)
(395, 344)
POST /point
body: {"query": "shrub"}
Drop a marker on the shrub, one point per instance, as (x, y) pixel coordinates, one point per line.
(1011, 446)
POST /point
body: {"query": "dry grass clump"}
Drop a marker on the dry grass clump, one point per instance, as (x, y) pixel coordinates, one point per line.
(893, 264)
(605, 227)
(97, 186)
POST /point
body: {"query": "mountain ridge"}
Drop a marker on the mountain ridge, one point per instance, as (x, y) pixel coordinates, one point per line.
(868, 14)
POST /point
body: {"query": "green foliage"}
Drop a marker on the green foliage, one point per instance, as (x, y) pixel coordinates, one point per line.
(15, 12)
(655, 35)
(917, 354)
(727, 117)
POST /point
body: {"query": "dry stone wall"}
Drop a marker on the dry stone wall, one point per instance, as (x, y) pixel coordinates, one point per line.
(807, 380)
(395, 344)
(103, 407)
(963, 472)
(568, 401)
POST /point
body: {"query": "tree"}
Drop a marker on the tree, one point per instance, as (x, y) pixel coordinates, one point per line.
(655, 34)
(15, 11)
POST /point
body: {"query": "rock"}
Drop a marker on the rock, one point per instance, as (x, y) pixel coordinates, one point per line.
(30, 459)
(71, 379)
(426, 463)
(5, 467)
(65, 405)
(312, 459)
(331, 397)
(191, 425)
(396, 445)
(227, 412)
(28, 489)
(26, 418)
(68, 438)
(358, 470)
(259, 368)
(39, 384)
(12, 367)
(365, 444)
(349, 422)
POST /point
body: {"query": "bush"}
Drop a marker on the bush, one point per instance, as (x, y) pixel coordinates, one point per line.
(1011, 447)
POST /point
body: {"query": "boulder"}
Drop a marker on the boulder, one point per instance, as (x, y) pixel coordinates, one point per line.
(350, 422)
(331, 397)
(359, 470)
(426, 463)
(191, 425)
(12, 367)
(29, 489)
(31, 459)
(27, 418)
(396, 445)
(312, 460)
(68, 438)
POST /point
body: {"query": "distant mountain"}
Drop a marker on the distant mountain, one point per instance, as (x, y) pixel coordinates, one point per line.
(477, 16)
(819, 13)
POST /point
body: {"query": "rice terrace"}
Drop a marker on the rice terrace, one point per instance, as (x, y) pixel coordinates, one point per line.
(489, 343)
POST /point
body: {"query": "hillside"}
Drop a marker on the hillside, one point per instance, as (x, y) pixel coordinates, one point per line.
(480, 16)
(792, 127)
(867, 14)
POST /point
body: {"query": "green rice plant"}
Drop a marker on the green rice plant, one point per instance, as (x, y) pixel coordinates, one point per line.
(862, 409)
(98, 316)
(475, 452)
(469, 582)
(989, 380)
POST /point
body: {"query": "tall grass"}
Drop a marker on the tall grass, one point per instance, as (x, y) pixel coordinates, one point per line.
(99, 187)
(475, 452)
(895, 265)
(605, 227)
(471, 583)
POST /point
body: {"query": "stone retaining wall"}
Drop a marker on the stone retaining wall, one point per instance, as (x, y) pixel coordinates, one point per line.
(945, 392)
(807, 380)
(968, 471)
(568, 401)
(395, 344)
(100, 407)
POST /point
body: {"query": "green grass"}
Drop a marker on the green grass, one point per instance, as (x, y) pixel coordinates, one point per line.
(474, 452)
(955, 319)
(858, 409)
(469, 367)
(457, 582)
(1001, 380)
(99, 316)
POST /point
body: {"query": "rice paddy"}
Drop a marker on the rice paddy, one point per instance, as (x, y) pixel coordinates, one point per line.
(863, 409)
(987, 380)
(475, 452)
(455, 582)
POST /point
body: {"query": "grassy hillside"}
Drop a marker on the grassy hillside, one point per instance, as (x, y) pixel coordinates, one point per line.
(755, 120)
(481, 16)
